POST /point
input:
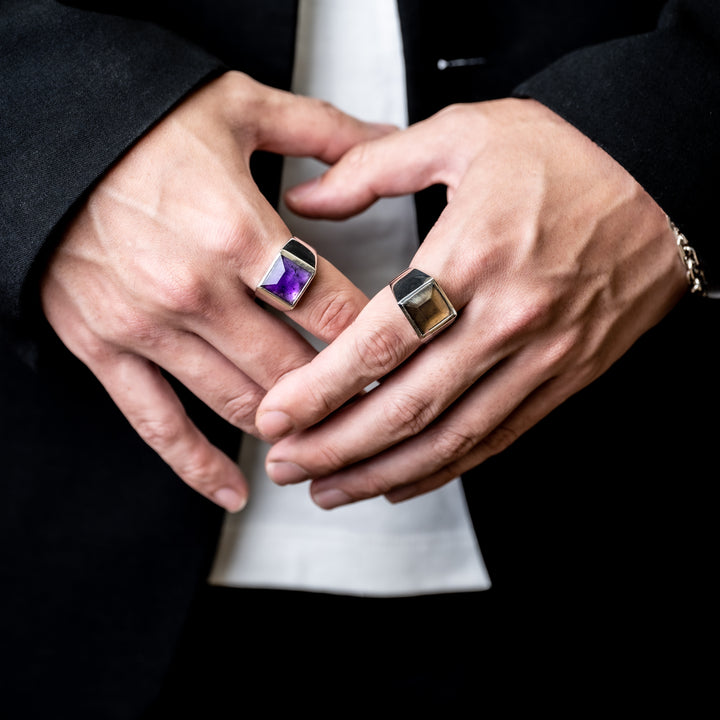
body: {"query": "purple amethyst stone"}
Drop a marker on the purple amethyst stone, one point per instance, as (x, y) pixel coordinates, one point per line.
(286, 280)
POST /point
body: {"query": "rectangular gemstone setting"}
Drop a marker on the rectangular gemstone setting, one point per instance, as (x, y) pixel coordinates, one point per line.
(425, 305)
(288, 276)
(286, 279)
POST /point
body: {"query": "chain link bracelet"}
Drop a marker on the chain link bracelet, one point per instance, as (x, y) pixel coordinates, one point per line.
(689, 258)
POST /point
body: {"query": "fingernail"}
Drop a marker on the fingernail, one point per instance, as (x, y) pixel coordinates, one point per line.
(330, 498)
(400, 494)
(283, 472)
(230, 499)
(274, 424)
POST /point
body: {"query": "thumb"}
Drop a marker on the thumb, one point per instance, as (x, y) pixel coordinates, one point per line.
(399, 163)
(298, 125)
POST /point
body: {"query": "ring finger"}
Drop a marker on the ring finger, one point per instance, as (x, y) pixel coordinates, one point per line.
(323, 302)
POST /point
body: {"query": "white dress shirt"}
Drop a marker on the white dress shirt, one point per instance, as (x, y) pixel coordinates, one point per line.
(350, 54)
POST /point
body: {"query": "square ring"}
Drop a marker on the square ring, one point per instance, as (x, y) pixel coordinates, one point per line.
(423, 302)
(289, 275)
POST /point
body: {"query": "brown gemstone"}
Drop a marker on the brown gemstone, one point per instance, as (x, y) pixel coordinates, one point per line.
(427, 308)
(423, 302)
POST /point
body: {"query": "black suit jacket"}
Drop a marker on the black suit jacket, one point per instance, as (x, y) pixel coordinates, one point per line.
(596, 518)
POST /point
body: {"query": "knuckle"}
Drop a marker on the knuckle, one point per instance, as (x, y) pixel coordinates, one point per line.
(409, 412)
(561, 349)
(191, 461)
(525, 317)
(109, 328)
(238, 236)
(583, 371)
(328, 108)
(332, 146)
(161, 434)
(329, 458)
(93, 349)
(376, 484)
(240, 410)
(379, 350)
(456, 122)
(451, 113)
(336, 315)
(450, 444)
(241, 90)
(319, 400)
(199, 471)
(335, 116)
(357, 158)
(238, 81)
(499, 439)
(183, 294)
(131, 329)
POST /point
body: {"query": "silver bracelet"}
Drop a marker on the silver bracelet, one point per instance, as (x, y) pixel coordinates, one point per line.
(689, 258)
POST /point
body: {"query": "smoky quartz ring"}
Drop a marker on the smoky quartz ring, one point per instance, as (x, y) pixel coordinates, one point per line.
(423, 302)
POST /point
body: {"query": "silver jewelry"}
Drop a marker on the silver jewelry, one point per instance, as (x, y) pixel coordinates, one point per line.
(693, 272)
(423, 302)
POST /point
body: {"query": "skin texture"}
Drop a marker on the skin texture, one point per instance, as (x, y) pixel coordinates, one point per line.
(158, 268)
(557, 261)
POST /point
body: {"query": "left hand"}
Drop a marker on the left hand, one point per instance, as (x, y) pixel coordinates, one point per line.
(556, 260)
(156, 271)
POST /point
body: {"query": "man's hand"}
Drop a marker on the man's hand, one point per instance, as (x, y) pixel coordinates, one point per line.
(556, 260)
(158, 270)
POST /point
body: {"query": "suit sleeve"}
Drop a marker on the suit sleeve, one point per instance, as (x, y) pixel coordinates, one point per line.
(77, 89)
(652, 101)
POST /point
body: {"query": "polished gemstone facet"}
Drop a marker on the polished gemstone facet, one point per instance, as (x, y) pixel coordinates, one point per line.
(427, 308)
(286, 279)
(425, 305)
(289, 275)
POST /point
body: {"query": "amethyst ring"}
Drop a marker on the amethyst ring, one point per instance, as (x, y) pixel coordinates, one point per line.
(423, 302)
(289, 275)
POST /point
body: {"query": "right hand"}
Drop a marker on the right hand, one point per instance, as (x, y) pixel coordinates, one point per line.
(557, 261)
(158, 268)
